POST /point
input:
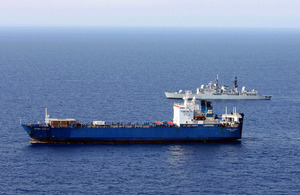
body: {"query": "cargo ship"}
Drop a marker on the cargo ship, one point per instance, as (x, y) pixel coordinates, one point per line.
(212, 91)
(191, 123)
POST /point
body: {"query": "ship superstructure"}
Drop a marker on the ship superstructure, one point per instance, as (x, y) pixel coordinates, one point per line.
(191, 123)
(212, 91)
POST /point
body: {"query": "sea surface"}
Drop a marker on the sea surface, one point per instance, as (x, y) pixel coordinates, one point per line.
(121, 75)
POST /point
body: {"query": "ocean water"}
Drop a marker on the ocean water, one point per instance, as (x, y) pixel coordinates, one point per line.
(119, 75)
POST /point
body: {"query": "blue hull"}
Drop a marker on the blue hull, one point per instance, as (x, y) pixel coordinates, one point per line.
(40, 134)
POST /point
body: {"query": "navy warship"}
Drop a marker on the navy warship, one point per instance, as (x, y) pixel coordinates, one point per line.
(213, 92)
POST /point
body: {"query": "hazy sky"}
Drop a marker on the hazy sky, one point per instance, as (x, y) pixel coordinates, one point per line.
(169, 13)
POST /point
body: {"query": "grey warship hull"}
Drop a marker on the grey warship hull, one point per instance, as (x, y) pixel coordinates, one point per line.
(176, 95)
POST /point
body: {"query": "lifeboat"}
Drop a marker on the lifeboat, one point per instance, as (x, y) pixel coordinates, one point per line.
(158, 123)
(170, 123)
(200, 117)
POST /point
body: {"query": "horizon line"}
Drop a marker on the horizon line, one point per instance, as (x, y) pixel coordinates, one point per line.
(149, 29)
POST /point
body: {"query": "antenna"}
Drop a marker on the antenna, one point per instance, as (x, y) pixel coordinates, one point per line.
(46, 116)
(193, 100)
(185, 98)
(234, 110)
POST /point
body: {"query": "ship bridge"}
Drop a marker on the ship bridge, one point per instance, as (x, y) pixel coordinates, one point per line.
(191, 113)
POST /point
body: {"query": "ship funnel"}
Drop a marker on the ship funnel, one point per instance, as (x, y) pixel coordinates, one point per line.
(235, 84)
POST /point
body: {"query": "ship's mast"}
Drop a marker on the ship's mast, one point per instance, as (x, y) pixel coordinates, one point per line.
(46, 116)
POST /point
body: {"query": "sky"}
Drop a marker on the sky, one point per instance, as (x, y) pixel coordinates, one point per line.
(151, 13)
